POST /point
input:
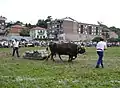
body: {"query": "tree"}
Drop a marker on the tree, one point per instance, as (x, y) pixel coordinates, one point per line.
(9, 24)
(29, 25)
(25, 32)
(96, 39)
(43, 23)
(49, 19)
(26, 25)
(112, 40)
(116, 30)
(18, 23)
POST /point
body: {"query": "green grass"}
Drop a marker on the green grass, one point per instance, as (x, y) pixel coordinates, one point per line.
(81, 73)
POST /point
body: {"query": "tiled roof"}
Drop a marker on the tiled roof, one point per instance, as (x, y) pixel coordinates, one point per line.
(38, 28)
(15, 30)
(17, 26)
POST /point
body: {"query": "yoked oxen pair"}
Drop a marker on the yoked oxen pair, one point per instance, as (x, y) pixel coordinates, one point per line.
(70, 49)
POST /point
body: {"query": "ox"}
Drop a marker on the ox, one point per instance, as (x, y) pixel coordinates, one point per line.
(70, 49)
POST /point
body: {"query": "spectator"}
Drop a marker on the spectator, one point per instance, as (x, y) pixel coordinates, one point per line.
(15, 47)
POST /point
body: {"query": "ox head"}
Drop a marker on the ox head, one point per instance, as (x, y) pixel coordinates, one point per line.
(81, 49)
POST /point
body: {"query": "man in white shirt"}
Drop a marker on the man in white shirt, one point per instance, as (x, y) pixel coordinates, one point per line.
(101, 46)
(15, 47)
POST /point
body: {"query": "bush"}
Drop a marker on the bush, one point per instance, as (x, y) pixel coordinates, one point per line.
(96, 39)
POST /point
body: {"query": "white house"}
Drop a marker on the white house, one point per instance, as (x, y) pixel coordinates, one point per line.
(38, 33)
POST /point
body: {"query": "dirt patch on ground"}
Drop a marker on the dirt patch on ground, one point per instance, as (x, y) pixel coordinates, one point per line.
(4, 54)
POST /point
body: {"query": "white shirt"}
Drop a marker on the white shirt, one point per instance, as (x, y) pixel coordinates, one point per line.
(101, 46)
(16, 44)
(6, 43)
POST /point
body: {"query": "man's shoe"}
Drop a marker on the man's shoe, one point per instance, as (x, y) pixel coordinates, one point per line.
(102, 66)
(97, 66)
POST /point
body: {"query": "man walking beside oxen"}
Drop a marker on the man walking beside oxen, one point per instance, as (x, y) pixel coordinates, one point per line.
(101, 46)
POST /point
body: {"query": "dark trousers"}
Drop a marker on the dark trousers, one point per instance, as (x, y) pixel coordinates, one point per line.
(100, 61)
(15, 49)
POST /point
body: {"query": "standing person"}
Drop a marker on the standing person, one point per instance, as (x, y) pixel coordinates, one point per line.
(15, 47)
(101, 46)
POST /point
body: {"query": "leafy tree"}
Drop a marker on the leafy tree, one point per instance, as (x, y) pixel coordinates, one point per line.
(9, 24)
(111, 40)
(25, 32)
(28, 25)
(96, 39)
(116, 30)
(43, 23)
(113, 28)
(118, 39)
(49, 19)
(18, 23)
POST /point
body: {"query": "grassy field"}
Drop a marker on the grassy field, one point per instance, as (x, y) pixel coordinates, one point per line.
(81, 73)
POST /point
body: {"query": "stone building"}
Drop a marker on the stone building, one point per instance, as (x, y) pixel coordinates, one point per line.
(72, 30)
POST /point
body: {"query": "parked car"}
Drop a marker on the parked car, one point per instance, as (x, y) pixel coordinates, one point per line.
(29, 44)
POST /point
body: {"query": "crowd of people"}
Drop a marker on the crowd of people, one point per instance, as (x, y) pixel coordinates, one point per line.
(9, 44)
(33, 43)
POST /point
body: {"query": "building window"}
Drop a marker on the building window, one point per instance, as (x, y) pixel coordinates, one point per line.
(81, 29)
(78, 29)
(57, 26)
(96, 30)
(61, 38)
(53, 31)
(53, 26)
(37, 36)
(43, 37)
(3, 23)
(41, 31)
(92, 33)
(90, 29)
(40, 37)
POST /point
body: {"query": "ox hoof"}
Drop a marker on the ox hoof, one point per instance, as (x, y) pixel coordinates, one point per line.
(69, 60)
